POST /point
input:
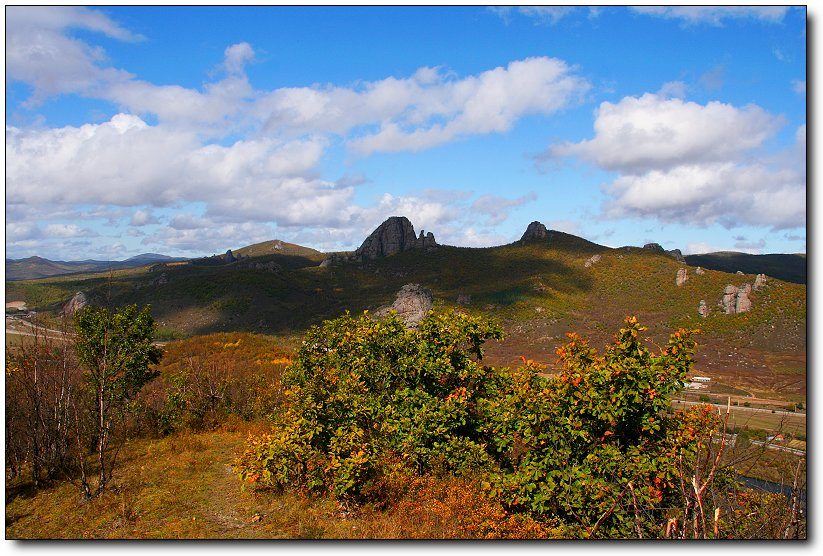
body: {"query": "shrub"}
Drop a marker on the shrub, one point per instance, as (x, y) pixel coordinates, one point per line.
(594, 443)
(364, 397)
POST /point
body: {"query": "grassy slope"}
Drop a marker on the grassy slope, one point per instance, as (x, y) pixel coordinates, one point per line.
(183, 487)
(538, 291)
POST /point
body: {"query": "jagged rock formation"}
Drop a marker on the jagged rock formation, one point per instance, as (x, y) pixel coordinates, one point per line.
(674, 253)
(759, 282)
(535, 231)
(229, 257)
(682, 277)
(412, 303)
(75, 304)
(393, 236)
(592, 260)
(677, 255)
(699, 271)
(739, 272)
(736, 300)
(728, 301)
(703, 308)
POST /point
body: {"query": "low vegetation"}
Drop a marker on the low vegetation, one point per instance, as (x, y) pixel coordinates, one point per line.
(368, 429)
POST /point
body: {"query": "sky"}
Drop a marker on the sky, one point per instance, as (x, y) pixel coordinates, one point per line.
(192, 130)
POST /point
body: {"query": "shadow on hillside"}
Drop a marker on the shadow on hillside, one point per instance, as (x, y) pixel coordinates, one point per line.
(284, 294)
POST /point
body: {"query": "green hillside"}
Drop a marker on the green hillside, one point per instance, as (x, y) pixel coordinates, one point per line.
(538, 290)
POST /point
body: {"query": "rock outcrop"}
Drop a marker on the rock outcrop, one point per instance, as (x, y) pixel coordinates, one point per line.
(393, 236)
(592, 260)
(682, 277)
(699, 271)
(534, 232)
(654, 247)
(229, 257)
(728, 300)
(412, 303)
(736, 300)
(759, 282)
(677, 255)
(673, 253)
(703, 308)
(75, 304)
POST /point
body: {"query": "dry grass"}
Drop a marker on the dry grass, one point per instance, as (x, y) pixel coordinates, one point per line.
(183, 487)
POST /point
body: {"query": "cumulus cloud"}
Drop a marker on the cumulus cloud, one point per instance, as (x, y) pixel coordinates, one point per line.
(143, 218)
(715, 15)
(690, 163)
(799, 86)
(652, 131)
(41, 53)
(237, 56)
(427, 109)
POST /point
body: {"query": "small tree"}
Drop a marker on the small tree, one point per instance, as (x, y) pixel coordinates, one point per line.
(116, 351)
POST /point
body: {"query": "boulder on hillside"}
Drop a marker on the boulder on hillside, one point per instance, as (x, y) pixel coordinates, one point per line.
(736, 300)
(703, 308)
(729, 299)
(393, 236)
(412, 303)
(592, 260)
(682, 277)
(534, 232)
(699, 271)
(759, 282)
(77, 302)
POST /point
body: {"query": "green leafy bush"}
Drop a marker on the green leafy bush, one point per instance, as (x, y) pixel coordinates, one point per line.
(595, 450)
(364, 397)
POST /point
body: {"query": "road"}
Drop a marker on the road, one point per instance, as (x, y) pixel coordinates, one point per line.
(744, 408)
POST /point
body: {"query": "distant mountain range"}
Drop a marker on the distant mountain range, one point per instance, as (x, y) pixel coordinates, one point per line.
(788, 267)
(32, 268)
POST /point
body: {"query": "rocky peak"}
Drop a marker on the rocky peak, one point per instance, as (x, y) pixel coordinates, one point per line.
(535, 231)
(229, 257)
(393, 236)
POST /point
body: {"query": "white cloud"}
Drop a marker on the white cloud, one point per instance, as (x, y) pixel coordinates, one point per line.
(488, 103)
(126, 162)
(690, 163)
(237, 56)
(546, 15)
(715, 15)
(143, 218)
(40, 53)
(542, 15)
(723, 193)
(652, 132)
(67, 230)
(799, 86)
(672, 89)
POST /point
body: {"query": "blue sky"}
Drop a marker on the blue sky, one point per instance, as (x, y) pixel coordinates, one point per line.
(192, 130)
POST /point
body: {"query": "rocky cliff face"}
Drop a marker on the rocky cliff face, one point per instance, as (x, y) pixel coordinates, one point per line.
(393, 236)
(535, 231)
(75, 304)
